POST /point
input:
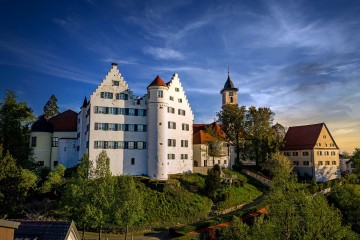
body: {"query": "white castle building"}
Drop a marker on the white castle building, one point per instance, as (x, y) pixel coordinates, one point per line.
(149, 135)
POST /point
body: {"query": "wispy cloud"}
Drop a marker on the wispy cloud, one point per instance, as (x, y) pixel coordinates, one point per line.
(163, 53)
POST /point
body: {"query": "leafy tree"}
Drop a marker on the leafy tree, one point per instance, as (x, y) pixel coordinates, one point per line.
(54, 181)
(213, 182)
(128, 207)
(51, 108)
(102, 168)
(214, 144)
(355, 158)
(15, 120)
(261, 138)
(15, 186)
(347, 199)
(232, 118)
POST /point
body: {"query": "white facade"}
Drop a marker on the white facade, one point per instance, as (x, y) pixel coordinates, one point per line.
(135, 131)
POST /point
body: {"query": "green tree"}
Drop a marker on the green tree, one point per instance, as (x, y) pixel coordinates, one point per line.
(55, 181)
(213, 182)
(15, 185)
(215, 144)
(233, 121)
(51, 108)
(355, 159)
(261, 138)
(77, 194)
(128, 207)
(15, 120)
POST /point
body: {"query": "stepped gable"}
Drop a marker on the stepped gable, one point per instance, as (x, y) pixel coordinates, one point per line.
(158, 82)
(65, 121)
(302, 137)
(42, 125)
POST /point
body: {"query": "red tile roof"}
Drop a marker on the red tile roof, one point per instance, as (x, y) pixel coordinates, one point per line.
(302, 137)
(65, 121)
(200, 136)
(157, 82)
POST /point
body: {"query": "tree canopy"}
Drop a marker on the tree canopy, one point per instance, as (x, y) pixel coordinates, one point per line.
(51, 108)
(15, 120)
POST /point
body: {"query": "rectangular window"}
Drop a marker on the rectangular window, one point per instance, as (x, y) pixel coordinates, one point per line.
(327, 162)
(295, 163)
(56, 163)
(33, 141)
(333, 162)
(184, 156)
(185, 127)
(225, 161)
(332, 145)
(131, 145)
(181, 112)
(160, 93)
(171, 156)
(140, 145)
(121, 96)
(326, 153)
(295, 153)
(172, 125)
(115, 83)
(180, 100)
(132, 161)
(332, 153)
(205, 163)
(231, 94)
(141, 112)
(306, 163)
(106, 95)
(319, 153)
(172, 142)
(305, 153)
(184, 143)
(171, 110)
(320, 163)
(177, 89)
(287, 153)
(55, 141)
(171, 98)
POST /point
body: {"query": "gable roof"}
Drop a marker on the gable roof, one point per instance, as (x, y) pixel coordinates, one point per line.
(200, 136)
(303, 137)
(45, 230)
(157, 82)
(63, 122)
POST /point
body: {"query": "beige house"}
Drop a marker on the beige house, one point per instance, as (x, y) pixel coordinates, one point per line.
(313, 151)
(54, 140)
(208, 149)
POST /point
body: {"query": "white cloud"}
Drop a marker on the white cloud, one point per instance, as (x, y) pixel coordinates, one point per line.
(163, 53)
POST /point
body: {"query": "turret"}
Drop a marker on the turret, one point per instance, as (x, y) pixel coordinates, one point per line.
(229, 92)
(157, 129)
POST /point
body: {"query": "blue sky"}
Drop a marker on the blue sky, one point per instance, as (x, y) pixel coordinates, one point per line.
(300, 58)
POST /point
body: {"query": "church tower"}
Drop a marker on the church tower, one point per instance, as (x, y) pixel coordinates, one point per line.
(229, 92)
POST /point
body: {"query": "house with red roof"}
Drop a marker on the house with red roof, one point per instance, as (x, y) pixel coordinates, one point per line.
(210, 146)
(313, 151)
(54, 140)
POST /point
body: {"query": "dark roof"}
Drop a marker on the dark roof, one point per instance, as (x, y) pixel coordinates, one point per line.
(42, 125)
(157, 82)
(85, 103)
(44, 230)
(65, 121)
(229, 85)
(303, 137)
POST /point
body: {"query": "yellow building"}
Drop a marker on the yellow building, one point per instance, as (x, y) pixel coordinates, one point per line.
(54, 140)
(313, 151)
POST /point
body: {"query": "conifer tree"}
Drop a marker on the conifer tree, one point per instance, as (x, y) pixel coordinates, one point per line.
(51, 108)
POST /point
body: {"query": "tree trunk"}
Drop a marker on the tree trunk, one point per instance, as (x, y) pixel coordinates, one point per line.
(83, 231)
(126, 231)
(100, 232)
